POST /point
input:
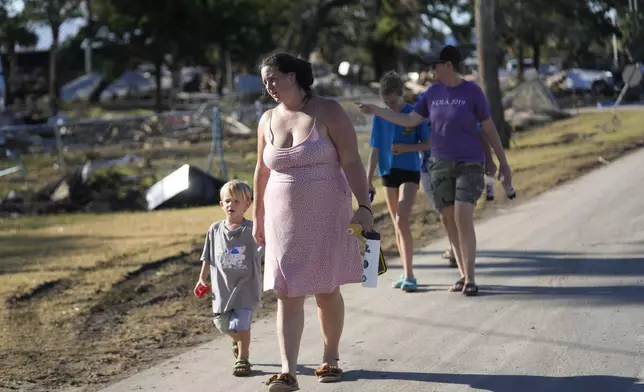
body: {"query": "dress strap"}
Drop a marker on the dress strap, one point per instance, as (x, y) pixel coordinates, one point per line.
(271, 137)
(315, 133)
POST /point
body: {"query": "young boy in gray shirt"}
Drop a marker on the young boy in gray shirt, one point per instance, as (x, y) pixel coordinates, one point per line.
(231, 257)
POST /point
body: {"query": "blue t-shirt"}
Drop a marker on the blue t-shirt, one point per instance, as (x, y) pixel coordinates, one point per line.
(384, 134)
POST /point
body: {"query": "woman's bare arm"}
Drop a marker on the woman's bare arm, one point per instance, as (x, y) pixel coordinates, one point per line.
(492, 136)
(262, 172)
(343, 135)
(490, 166)
(373, 163)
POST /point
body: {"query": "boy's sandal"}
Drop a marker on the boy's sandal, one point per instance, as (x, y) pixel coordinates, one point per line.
(235, 349)
(458, 286)
(328, 373)
(282, 382)
(470, 289)
(242, 368)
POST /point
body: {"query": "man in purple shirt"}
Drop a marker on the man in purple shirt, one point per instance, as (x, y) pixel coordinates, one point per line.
(454, 106)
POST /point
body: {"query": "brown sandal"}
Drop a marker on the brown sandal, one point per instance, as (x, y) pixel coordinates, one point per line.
(282, 382)
(328, 373)
(458, 286)
(470, 289)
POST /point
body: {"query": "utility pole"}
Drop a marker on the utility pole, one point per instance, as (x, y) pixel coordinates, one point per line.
(633, 7)
(613, 17)
(86, 11)
(487, 52)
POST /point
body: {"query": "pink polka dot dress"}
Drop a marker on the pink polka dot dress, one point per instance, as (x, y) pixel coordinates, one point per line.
(308, 208)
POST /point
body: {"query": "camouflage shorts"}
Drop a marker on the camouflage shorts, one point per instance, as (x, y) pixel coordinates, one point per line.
(455, 181)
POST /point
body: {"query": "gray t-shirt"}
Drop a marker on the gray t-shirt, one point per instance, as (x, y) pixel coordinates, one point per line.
(235, 267)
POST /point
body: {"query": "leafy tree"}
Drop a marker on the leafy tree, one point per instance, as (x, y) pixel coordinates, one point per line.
(53, 13)
(574, 31)
(152, 30)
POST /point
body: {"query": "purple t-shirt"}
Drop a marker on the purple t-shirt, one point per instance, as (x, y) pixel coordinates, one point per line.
(453, 113)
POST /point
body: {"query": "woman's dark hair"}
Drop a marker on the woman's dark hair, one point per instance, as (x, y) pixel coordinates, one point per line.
(285, 63)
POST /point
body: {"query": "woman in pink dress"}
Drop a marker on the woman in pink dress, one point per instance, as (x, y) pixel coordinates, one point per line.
(308, 166)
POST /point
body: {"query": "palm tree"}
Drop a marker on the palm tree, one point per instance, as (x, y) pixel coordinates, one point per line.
(14, 32)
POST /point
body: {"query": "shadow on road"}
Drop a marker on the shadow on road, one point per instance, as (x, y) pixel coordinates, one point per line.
(553, 263)
(540, 263)
(508, 383)
(529, 263)
(606, 295)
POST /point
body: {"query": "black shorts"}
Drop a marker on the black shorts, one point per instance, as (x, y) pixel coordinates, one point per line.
(397, 177)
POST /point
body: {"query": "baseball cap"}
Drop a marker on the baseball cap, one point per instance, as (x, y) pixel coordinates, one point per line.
(448, 54)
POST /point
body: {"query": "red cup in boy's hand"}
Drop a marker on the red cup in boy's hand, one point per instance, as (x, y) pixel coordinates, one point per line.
(201, 290)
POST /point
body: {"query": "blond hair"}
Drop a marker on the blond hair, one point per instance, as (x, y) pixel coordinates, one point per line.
(391, 84)
(237, 189)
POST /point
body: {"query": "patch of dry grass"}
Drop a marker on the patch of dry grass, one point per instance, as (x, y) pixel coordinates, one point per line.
(91, 297)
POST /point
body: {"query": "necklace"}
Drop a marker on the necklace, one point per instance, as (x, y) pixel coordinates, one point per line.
(303, 102)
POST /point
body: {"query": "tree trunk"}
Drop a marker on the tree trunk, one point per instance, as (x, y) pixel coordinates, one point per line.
(11, 74)
(488, 68)
(89, 37)
(224, 72)
(54, 92)
(309, 36)
(177, 83)
(312, 26)
(288, 40)
(536, 56)
(158, 76)
(520, 61)
(230, 76)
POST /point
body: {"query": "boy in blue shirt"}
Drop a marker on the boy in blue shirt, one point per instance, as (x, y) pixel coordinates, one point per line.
(395, 151)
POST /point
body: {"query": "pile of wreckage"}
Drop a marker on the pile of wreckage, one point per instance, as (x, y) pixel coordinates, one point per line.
(101, 187)
(126, 131)
(531, 103)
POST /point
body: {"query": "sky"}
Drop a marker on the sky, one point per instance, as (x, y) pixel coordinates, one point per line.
(68, 29)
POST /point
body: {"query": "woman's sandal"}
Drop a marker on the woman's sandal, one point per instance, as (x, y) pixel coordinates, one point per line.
(328, 373)
(470, 289)
(282, 382)
(458, 286)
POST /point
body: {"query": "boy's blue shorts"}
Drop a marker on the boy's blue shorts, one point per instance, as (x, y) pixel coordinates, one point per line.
(234, 320)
